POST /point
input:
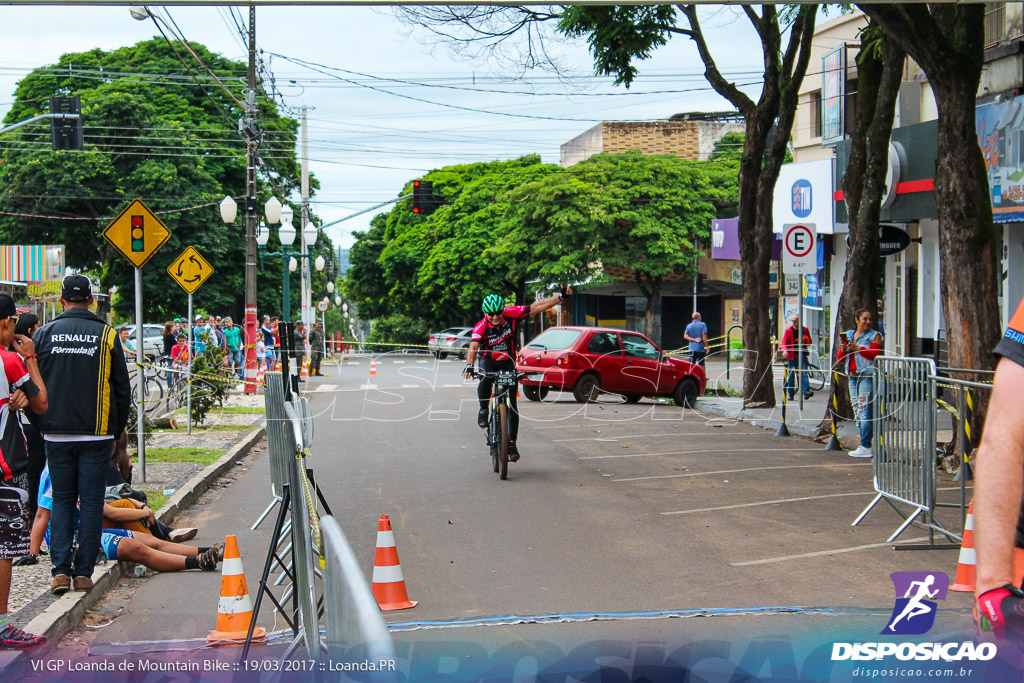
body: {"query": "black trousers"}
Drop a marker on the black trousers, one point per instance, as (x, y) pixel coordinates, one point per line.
(483, 392)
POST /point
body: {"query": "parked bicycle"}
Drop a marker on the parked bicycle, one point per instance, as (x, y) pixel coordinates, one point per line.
(498, 435)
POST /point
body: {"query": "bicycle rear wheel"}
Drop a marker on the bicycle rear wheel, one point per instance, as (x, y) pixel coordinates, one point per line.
(815, 377)
(492, 436)
(503, 440)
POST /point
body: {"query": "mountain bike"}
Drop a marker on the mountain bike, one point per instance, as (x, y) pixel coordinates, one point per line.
(498, 429)
(815, 377)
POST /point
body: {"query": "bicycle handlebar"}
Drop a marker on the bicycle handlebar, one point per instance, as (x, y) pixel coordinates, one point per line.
(483, 375)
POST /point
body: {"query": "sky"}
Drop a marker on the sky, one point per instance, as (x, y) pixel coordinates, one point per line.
(388, 103)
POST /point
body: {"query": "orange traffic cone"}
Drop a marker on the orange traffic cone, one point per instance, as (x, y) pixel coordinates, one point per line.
(305, 368)
(373, 368)
(388, 582)
(234, 612)
(966, 567)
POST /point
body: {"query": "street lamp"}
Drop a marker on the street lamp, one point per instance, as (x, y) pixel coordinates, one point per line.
(337, 301)
(256, 238)
(330, 286)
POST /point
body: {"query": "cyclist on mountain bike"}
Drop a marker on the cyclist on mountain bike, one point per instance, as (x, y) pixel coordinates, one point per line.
(495, 338)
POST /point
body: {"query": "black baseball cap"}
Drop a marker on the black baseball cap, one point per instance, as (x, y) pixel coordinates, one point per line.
(76, 288)
(7, 307)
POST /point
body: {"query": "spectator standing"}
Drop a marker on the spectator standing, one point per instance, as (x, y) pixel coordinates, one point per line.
(127, 345)
(22, 387)
(268, 342)
(233, 342)
(795, 352)
(170, 336)
(202, 335)
(316, 348)
(299, 352)
(697, 334)
(82, 359)
(858, 349)
(27, 325)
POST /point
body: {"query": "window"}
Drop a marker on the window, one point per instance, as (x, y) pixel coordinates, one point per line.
(604, 343)
(554, 340)
(995, 23)
(816, 114)
(636, 346)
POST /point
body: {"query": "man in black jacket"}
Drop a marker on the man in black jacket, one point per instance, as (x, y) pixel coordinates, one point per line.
(83, 366)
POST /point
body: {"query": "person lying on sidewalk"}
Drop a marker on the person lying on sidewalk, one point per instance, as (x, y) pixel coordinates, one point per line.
(121, 545)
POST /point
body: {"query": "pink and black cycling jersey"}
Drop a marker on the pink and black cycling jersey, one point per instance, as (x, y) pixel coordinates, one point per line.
(498, 342)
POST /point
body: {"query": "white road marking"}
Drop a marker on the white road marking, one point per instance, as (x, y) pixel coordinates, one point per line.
(819, 553)
(422, 361)
(748, 469)
(398, 362)
(409, 386)
(642, 436)
(325, 388)
(769, 502)
(717, 450)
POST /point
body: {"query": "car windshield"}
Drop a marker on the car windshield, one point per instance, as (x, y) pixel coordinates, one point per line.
(555, 340)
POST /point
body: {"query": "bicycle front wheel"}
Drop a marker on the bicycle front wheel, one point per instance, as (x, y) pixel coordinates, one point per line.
(503, 440)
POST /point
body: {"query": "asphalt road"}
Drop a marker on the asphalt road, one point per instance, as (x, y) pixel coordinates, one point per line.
(613, 510)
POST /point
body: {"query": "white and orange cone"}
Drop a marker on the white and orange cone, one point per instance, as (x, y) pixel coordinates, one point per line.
(373, 368)
(388, 581)
(234, 611)
(305, 368)
(967, 565)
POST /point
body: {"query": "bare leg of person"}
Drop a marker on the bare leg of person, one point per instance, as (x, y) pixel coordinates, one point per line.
(132, 550)
(163, 546)
(39, 525)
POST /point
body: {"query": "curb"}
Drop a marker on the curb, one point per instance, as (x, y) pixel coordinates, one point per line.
(64, 615)
(710, 405)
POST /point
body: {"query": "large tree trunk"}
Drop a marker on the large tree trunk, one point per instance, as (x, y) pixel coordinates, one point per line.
(948, 43)
(879, 75)
(759, 169)
(755, 236)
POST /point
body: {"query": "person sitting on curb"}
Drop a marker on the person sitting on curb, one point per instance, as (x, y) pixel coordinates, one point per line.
(122, 545)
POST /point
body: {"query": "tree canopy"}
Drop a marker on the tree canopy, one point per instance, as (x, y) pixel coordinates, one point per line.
(510, 223)
(151, 132)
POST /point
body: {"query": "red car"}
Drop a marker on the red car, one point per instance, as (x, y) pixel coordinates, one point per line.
(591, 360)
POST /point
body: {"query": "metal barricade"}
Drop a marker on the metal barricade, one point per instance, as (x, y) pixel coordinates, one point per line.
(356, 630)
(277, 440)
(903, 414)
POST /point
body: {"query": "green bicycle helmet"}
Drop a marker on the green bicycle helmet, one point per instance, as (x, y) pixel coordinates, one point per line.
(493, 304)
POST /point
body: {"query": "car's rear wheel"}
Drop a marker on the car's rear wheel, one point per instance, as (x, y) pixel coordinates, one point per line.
(587, 388)
(535, 393)
(441, 355)
(686, 392)
(633, 398)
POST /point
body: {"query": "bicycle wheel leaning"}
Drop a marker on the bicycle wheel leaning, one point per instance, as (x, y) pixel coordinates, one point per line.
(503, 440)
(815, 377)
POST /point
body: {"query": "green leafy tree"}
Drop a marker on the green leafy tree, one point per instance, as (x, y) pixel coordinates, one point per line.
(633, 212)
(150, 133)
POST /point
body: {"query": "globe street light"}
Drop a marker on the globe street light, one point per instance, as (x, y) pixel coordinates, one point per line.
(330, 287)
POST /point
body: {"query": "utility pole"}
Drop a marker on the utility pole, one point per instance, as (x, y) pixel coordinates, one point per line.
(307, 316)
(251, 217)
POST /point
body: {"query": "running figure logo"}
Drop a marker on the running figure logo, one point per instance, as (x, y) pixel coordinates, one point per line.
(914, 612)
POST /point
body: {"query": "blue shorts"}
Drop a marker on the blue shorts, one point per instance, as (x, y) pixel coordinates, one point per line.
(109, 540)
(270, 354)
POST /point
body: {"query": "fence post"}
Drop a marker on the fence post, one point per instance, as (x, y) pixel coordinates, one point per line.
(783, 429)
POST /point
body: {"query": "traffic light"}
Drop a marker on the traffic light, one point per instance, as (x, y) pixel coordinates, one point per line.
(137, 234)
(422, 197)
(66, 133)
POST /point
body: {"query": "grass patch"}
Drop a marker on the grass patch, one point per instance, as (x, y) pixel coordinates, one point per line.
(156, 498)
(201, 456)
(231, 410)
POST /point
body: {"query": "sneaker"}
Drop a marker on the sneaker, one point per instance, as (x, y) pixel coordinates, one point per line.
(26, 560)
(513, 453)
(209, 559)
(82, 584)
(182, 535)
(808, 394)
(60, 584)
(481, 418)
(15, 639)
(861, 452)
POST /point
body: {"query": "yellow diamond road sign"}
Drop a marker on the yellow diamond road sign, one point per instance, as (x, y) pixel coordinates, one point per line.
(190, 270)
(137, 233)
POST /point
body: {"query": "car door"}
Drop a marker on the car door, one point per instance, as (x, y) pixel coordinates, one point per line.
(604, 354)
(642, 371)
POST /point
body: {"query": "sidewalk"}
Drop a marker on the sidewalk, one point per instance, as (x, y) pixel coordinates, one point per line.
(174, 485)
